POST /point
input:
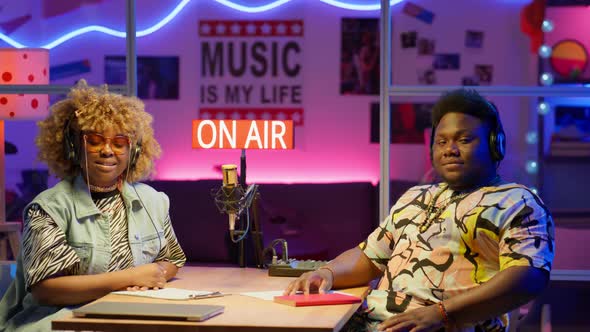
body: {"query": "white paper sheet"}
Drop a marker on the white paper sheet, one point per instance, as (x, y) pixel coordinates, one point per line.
(267, 295)
(171, 294)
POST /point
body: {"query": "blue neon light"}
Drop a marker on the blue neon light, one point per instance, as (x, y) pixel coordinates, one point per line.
(351, 6)
(254, 9)
(177, 9)
(278, 3)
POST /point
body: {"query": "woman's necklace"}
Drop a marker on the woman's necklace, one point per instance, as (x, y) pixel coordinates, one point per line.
(433, 212)
(99, 189)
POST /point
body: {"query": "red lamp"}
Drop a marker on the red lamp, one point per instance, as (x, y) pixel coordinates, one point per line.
(19, 67)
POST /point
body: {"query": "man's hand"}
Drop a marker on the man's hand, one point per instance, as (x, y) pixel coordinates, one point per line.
(320, 280)
(425, 319)
(148, 276)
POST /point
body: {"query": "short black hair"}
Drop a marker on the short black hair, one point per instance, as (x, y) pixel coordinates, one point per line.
(466, 101)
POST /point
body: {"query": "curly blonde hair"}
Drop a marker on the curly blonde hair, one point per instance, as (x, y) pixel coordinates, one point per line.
(95, 109)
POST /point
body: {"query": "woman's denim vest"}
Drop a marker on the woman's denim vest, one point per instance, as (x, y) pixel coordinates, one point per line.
(87, 230)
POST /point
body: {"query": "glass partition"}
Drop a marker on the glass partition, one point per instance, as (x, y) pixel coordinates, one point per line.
(315, 63)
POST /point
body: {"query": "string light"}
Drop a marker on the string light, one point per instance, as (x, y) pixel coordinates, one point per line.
(532, 137)
(532, 167)
(546, 79)
(543, 108)
(547, 25)
(545, 51)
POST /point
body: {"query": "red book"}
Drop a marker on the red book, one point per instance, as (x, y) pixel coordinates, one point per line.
(301, 300)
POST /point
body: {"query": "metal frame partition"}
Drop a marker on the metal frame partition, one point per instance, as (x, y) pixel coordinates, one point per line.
(388, 90)
(129, 89)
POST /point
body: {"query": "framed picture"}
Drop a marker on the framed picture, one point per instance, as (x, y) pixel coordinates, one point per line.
(157, 77)
(447, 61)
(426, 76)
(570, 45)
(484, 74)
(571, 131)
(474, 39)
(575, 119)
(408, 122)
(408, 39)
(359, 57)
(470, 81)
(568, 62)
(426, 46)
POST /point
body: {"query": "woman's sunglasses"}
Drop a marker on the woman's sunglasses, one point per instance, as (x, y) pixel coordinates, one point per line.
(96, 142)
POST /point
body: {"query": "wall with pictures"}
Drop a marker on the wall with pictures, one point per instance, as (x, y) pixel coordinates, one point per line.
(322, 76)
(472, 43)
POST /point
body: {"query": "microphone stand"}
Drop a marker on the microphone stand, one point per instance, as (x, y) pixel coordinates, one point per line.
(256, 231)
(242, 182)
(242, 179)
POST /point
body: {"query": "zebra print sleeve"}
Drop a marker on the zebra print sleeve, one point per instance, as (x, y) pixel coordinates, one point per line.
(45, 249)
(171, 252)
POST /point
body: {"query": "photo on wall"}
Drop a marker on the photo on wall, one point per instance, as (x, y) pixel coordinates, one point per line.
(569, 59)
(484, 74)
(573, 121)
(568, 62)
(408, 122)
(408, 39)
(426, 46)
(474, 39)
(571, 132)
(469, 81)
(448, 61)
(426, 76)
(157, 77)
(359, 58)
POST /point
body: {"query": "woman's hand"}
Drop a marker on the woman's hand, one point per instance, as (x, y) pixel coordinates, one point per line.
(425, 319)
(320, 279)
(148, 276)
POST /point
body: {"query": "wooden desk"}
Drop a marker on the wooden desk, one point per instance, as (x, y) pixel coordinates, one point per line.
(242, 313)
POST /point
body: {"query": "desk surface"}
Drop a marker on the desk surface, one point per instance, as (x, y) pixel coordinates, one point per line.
(242, 313)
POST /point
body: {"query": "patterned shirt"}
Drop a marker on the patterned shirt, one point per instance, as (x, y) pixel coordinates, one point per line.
(46, 252)
(489, 230)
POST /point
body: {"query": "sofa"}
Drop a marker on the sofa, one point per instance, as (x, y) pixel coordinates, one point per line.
(318, 221)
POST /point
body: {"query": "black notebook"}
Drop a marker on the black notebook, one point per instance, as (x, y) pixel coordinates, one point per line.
(159, 311)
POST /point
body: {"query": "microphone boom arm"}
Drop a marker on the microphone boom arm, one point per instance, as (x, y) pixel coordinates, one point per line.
(246, 201)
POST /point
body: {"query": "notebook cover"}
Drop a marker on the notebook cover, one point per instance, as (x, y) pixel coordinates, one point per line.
(301, 300)
(128, 310)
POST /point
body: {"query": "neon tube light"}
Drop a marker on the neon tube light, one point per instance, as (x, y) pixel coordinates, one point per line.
(176, 11)
(358, 7)
(279, 3)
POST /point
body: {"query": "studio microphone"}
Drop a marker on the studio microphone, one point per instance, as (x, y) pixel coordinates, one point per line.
(230, 198)
(231, 194)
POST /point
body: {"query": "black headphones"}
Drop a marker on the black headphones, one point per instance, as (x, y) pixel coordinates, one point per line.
(72, 146)
(496, 140)
(135, 152)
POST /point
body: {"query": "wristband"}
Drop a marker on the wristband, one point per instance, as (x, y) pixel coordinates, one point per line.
(444, 314)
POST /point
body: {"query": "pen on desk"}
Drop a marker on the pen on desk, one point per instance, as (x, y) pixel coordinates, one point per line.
(214, 294)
